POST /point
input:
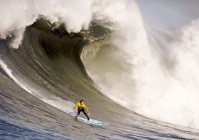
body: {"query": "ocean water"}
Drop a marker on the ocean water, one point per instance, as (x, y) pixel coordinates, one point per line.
(135, 64)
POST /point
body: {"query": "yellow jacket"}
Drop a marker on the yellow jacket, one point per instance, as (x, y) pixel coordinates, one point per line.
(80, 106)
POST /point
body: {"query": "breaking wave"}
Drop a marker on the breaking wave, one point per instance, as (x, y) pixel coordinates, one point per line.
(66, 50)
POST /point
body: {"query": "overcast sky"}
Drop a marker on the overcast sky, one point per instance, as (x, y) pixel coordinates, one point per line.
(168, 13)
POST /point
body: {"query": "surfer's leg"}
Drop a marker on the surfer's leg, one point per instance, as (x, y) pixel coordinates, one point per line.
(78, 112)
(85, 114)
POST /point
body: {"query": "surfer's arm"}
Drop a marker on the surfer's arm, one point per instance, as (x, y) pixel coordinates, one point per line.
(86, 108)
(75, 106)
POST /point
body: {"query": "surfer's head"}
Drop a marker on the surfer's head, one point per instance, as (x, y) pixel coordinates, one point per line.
(81, 101)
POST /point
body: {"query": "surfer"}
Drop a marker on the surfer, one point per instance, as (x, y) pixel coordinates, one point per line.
(81, 107)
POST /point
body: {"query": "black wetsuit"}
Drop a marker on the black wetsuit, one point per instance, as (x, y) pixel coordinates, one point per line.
(82, 110)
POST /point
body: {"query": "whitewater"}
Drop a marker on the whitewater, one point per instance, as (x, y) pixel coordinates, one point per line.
(135, 63)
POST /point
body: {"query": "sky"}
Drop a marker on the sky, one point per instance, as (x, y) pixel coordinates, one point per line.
(168, 13)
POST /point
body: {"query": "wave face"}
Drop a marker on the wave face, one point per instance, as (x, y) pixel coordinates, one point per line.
(115, 59)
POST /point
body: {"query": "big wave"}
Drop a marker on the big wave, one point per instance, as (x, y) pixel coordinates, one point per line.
(137, 67)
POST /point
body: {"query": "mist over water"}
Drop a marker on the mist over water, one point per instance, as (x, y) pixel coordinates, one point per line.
(151, 67)
(148, 65)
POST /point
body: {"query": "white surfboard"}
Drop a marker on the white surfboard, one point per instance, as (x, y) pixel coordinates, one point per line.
(91, 121)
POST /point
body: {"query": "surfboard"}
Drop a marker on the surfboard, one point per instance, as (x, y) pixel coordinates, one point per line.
(91, 121)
